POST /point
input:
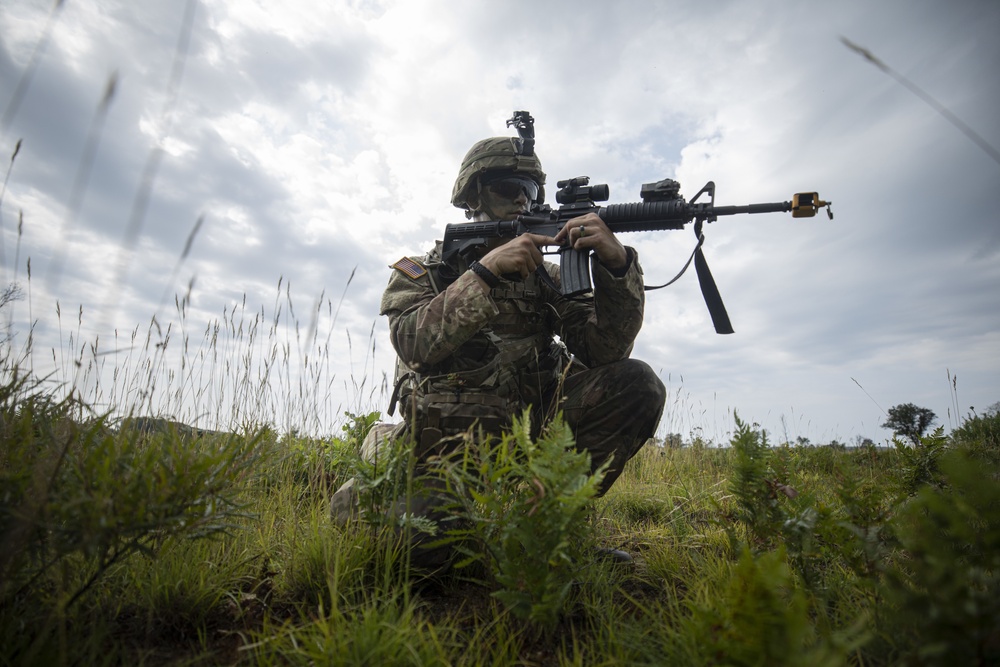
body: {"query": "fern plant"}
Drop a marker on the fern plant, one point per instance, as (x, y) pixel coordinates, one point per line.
(754, 486)
(920, 461)
(946, 589)
(525, 504)
(760, 617)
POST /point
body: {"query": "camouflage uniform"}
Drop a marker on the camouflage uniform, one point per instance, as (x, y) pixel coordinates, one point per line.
(471, 359)
(467, 358)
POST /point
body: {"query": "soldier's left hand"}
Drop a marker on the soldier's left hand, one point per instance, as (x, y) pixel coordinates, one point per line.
(588, 232)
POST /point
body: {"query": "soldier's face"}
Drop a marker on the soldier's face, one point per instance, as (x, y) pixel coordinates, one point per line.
(504, 203)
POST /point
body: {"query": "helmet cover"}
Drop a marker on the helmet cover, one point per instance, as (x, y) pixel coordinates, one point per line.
(496, 154)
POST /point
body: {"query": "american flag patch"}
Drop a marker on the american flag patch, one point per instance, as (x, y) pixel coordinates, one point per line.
(410, 268)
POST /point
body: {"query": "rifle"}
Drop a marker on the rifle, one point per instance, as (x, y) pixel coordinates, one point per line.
(662, 208)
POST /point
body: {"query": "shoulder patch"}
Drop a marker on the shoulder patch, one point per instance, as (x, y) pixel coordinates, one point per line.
(409, 268)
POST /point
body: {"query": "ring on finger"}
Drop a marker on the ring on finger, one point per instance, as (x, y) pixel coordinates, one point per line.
(583, 230)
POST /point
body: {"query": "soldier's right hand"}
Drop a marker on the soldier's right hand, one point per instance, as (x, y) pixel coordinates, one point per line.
(521, 255)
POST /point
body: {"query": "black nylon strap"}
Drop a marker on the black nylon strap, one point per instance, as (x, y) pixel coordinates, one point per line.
(650, 288)
(720, 318)
(709, 290)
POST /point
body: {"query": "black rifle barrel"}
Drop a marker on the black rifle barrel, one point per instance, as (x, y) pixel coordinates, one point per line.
(652, 216)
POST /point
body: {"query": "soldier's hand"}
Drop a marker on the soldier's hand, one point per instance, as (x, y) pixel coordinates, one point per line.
(588, 232)
(521, 255)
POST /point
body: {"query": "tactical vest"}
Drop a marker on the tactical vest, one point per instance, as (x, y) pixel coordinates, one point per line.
(492, 377)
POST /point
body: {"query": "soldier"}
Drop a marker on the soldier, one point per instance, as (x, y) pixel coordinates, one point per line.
(477, 343)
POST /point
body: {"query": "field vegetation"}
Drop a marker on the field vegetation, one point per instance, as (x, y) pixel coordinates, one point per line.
(130, 540)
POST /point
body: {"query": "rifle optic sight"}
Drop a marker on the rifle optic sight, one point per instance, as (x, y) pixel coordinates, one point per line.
(577, 191)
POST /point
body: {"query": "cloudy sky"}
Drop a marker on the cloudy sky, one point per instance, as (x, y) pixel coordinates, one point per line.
(318, 143)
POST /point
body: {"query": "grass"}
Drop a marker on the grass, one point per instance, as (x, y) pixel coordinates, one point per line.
(177, 547)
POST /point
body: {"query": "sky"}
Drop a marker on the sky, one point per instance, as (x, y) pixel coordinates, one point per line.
(238, 196)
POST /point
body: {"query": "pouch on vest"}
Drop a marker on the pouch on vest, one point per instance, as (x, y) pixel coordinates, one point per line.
(449, 405)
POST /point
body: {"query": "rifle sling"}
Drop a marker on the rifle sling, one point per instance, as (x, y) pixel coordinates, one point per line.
(712, 297)
(720, 318)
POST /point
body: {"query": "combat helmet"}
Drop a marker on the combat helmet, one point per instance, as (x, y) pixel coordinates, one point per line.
(496, 154)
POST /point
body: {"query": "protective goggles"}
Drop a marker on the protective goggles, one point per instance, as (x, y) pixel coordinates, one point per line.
(509, 187)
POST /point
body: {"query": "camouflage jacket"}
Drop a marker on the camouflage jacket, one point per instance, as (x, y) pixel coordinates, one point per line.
(457, 338)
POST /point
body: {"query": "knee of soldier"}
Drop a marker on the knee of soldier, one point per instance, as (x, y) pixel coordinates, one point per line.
(646, 382)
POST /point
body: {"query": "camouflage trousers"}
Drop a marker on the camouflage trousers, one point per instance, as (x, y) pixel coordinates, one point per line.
(613, 410)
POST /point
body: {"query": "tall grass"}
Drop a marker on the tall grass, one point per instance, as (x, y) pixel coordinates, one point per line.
(128, 546)
(245, 369)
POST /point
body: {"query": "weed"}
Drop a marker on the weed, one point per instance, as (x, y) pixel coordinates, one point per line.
(919, 462)
(386, 633)
(979, 435)
(760, 617)
(524, 505)
(754, 487)
(80, 497)
(947, 587)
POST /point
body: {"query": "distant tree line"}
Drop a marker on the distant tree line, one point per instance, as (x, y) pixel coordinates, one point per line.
(907, 421)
